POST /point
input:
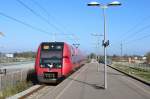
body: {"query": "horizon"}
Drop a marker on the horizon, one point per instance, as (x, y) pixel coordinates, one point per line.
(25, 24)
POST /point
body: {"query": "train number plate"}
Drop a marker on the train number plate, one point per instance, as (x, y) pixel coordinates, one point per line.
(49, 75)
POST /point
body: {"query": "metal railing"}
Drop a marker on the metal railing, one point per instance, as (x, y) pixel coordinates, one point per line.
(11, 79)
(135, 65)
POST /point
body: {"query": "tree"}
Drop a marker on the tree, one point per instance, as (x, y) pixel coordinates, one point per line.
(92, 55)
(29, 54)
(114, 56)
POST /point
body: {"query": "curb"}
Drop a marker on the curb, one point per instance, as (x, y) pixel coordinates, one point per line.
(134, 77)
(27, 92)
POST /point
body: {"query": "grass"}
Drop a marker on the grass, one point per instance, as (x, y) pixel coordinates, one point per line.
(12, 90)
(140, 73)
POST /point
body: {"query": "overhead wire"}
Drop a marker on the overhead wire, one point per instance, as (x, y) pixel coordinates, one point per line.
(143, 37)
(127, 34)
(137, 32)
(42, 8)
(128, 38)
(26, 24)
(49, 15)
(40, 16)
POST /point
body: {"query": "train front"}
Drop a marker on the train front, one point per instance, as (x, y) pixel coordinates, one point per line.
(48, 64)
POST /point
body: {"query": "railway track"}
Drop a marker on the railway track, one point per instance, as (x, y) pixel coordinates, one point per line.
(36, 94)
(42, 90)
(52, 90)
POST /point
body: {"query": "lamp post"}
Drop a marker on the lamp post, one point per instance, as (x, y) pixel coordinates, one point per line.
(105, 42)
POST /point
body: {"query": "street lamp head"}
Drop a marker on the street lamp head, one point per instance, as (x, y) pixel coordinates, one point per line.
(114, 3)
(93, 4)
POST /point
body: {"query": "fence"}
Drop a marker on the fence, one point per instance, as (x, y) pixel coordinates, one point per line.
(135, 65)
(13, 78)
(15, 63)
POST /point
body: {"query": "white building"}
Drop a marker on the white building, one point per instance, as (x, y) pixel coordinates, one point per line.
(9, 55)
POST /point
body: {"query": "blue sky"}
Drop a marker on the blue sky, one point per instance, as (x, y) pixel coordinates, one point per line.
(74, 17)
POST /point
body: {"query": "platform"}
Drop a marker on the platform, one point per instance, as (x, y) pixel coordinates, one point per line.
(87, 83)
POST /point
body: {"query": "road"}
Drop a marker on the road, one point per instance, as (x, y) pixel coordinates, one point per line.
(87, 83)
(17, 66)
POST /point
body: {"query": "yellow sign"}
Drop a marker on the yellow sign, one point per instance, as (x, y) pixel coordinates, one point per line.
(45, 47)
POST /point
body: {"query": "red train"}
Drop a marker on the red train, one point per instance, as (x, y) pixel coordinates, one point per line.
(56, 60)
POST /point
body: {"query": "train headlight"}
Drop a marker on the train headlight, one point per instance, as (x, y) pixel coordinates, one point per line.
(42, 65)
(59, 66)
(50, 65)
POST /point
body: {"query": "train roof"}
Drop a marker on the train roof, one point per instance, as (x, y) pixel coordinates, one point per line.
(52, 42)
(59, 43)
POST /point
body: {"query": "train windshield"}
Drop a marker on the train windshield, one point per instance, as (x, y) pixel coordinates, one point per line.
(51, 56)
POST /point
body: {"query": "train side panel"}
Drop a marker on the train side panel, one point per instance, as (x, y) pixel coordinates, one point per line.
(77, 58)
(67, 63)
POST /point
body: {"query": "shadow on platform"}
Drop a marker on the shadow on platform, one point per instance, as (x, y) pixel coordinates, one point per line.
(95, 86)
(112, 73)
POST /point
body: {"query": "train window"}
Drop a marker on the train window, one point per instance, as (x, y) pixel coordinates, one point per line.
(51, 59)
(51, 54)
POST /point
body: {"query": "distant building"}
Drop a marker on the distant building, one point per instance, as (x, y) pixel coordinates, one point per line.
(129, 59)
(144, 58)
(9, 55)
(136, 58)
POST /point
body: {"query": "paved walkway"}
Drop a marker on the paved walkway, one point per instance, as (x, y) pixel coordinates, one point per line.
(87, 83)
